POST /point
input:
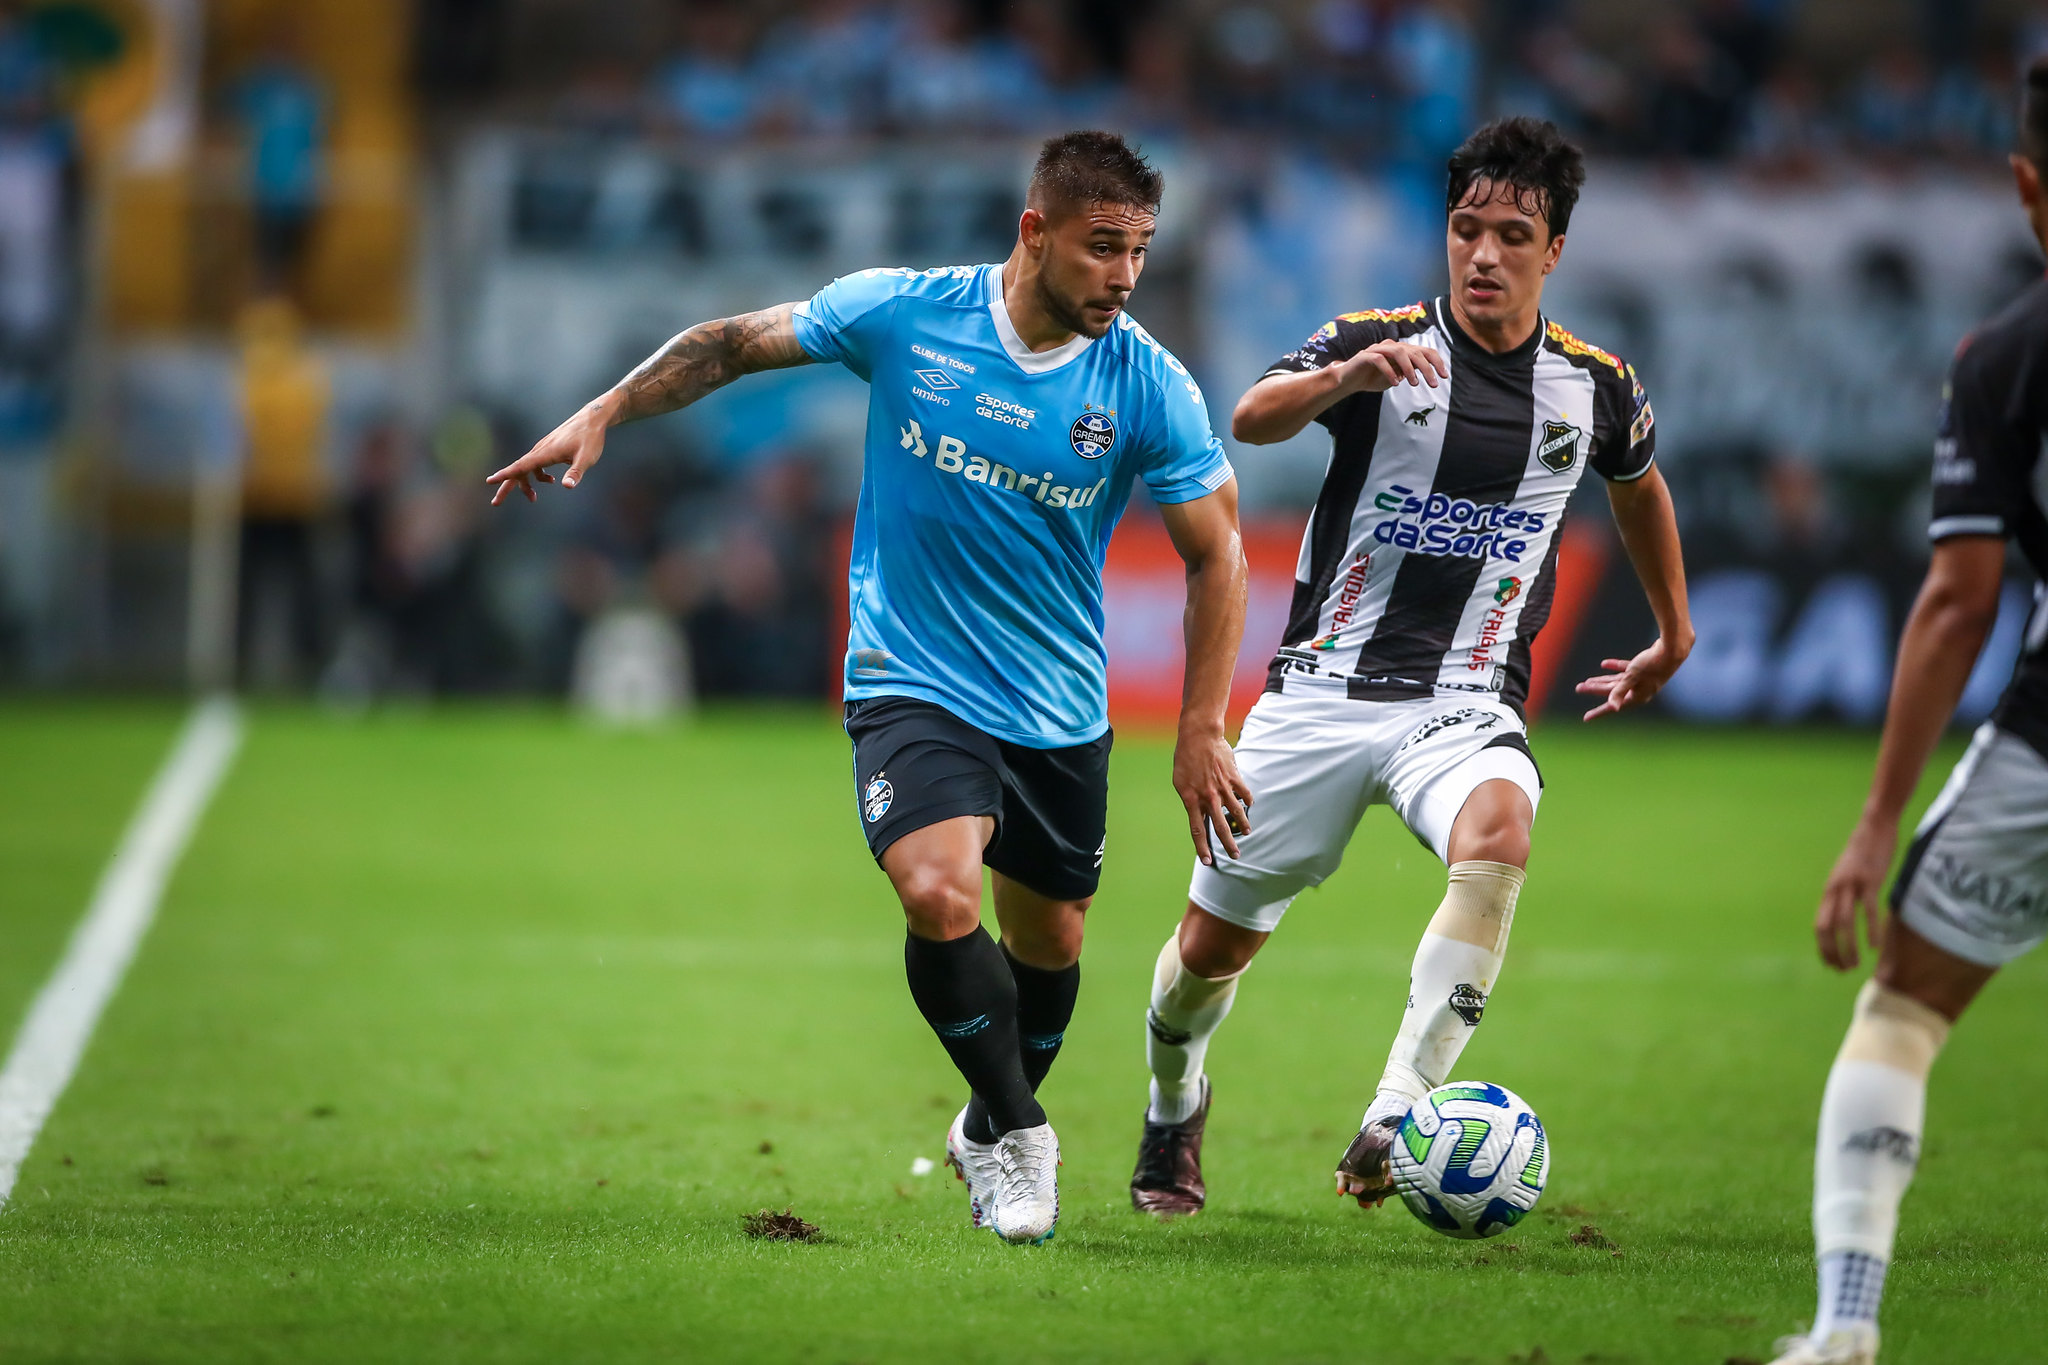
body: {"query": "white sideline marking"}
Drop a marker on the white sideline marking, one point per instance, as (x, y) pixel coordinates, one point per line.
(61, 1020)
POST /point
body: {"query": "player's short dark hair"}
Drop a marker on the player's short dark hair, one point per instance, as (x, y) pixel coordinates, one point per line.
(2033, 131)
(1529, 154)
(1078, 169)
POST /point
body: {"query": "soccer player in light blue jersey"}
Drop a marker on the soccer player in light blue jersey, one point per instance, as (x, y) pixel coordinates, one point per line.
(1011, 408)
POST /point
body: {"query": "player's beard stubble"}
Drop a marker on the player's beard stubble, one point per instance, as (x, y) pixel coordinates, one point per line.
(1070, 313)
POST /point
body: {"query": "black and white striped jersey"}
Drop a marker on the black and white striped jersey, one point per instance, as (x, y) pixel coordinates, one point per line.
(1429, 563)
(1991, 478)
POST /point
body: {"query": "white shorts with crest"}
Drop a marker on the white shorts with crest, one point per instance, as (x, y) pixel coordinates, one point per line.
(1316, 760)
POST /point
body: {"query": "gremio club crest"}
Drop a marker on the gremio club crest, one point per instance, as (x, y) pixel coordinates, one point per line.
(876, 798)
(1093, 433)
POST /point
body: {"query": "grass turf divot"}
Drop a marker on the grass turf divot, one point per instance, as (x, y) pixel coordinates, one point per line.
(787, 1226)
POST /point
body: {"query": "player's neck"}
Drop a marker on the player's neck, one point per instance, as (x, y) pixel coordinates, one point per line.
(1498, 337)
(1035, 326)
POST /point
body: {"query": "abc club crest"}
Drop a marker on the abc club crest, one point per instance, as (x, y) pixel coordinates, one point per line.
(1092, 434)
(1560, 446)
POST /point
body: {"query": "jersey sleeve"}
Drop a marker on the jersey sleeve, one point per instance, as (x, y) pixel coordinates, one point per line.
(1336, 340)
(839, 323)
(1979, 448)
(1630, 443)
(1331, 343)
(1183, 459)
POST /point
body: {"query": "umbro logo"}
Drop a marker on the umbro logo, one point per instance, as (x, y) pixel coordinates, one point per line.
(937, 379)
(1895, 1143)
(1420, 417)
(1165, 1032)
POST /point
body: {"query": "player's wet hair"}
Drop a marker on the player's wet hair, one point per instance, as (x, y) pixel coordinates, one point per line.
(1076, 170)
(2033, 131)
(1529, 154)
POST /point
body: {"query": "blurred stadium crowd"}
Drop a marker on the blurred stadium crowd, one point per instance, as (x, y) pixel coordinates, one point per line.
(280, 279)
(1371, 81)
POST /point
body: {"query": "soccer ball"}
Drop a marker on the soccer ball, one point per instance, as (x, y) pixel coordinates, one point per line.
(1470, 1159)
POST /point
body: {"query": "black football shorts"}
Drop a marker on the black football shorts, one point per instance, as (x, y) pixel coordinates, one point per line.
(915, 764)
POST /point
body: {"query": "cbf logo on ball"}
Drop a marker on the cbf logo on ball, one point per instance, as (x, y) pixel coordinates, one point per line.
(874, 801)
(1093, 433)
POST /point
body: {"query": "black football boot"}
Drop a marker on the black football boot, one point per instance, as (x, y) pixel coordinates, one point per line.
(1168, 1181)
(1364, 1171)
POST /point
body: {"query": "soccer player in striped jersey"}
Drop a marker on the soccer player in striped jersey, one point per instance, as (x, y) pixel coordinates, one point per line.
(1972, 894)
(1459, 428)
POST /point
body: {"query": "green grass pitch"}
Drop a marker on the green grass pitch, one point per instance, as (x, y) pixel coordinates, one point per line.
(473, 1035)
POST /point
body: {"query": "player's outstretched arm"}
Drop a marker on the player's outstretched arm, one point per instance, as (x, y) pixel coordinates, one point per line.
(1951, 617)
(1205, 772)
(693, 363)
(1280, 405)
(1649, 532)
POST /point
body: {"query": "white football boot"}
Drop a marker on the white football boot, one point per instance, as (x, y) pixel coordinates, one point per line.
(1844, 1346)
(975, 1164)
(1027, 1202)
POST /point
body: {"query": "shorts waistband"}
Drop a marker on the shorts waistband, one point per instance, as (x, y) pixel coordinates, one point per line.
(1302, 665)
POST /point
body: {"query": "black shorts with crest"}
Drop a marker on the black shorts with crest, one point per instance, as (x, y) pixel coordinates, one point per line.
(916, 763)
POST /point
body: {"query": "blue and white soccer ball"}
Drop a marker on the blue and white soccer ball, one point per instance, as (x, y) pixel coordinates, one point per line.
(1470, 1159)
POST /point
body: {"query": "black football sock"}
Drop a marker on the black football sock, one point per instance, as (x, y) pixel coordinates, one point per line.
(1045, 1004)
(964, 989)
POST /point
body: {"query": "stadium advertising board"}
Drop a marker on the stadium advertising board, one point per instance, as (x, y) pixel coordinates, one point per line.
(1783, 638)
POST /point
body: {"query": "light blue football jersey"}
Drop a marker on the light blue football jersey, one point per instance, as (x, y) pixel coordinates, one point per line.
(994, 477)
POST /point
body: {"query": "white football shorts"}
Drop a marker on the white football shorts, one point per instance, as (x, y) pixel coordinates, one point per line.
(1315, 759)
(1975, 881)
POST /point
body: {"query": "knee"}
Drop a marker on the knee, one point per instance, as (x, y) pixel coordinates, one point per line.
(1493, 826)
(939, 905)
(1051, 941)
(1495, 841)
(1495, 831)
(1213, 947)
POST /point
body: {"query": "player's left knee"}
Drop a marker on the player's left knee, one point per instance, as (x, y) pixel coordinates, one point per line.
(1051, 941)
(1506, 844)
(1910, 966)
(1496, 839)
(1493, 827)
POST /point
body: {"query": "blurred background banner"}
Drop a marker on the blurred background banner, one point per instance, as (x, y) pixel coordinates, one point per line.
(281, 279)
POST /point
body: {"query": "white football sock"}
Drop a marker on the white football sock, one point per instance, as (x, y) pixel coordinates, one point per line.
(1455, 968)
(1184, 1014)
(1851, 1284)
(1870, 1122)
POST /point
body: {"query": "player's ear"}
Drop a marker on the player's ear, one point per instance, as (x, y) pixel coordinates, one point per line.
(1031, 229)
(2026, 178)
(1552, 252)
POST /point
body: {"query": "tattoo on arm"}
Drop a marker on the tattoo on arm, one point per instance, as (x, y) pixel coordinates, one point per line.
(710, 356)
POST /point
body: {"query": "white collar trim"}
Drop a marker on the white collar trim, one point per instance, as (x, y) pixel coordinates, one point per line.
(1028, 360)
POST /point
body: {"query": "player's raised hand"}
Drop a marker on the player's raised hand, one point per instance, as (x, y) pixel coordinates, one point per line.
(1215, 794)
(1631, 682)
(1857, 882)
(577, 443)
(1384, 364)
